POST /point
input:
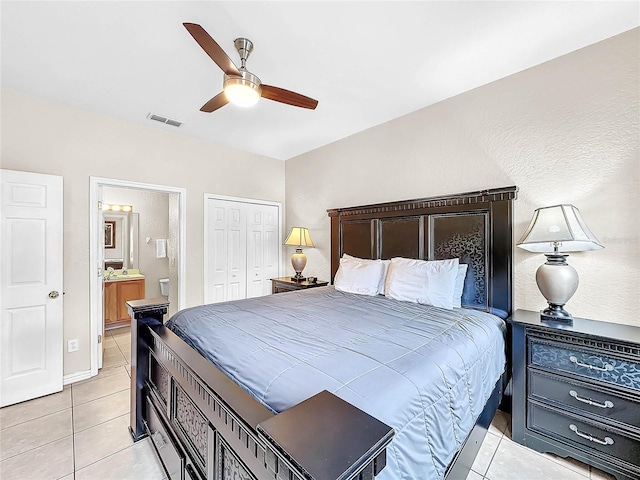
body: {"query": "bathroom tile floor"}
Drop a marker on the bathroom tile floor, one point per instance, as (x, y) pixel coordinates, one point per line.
(81, 433)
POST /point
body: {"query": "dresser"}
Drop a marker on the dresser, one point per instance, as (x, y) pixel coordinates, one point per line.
(576, 391)
(285, 284)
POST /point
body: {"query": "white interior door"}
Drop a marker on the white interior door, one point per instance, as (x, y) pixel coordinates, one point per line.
(262, 248)
(31, 241)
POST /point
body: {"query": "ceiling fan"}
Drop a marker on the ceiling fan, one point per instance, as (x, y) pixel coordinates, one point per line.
(240, 86)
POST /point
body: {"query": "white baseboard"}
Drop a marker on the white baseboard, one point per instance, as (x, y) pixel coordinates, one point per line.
(76, 377)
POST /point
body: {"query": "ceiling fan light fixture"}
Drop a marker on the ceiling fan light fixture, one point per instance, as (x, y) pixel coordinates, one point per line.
(239, 85)
(243, 91)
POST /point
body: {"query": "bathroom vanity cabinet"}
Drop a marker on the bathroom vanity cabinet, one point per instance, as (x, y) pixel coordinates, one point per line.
(116, 293)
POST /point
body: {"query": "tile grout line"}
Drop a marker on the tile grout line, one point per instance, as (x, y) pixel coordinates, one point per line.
(102, 423)
(83, 430)
(484, 476)
(101, 459)
(35, 418)
(120, 350)
(128, 387)
(493, 457)
(35, 448)
(73, 435)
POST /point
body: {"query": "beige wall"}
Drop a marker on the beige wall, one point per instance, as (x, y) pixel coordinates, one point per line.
(48, 137)
(566, 131)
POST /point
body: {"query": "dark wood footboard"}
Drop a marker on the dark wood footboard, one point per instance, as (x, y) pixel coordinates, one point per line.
(204, 426)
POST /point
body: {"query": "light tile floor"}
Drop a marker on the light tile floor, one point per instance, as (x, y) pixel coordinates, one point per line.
(500, 458)
(82, 433)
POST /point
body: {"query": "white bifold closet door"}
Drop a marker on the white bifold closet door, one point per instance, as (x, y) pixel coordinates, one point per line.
(263, 248)
(243, 249)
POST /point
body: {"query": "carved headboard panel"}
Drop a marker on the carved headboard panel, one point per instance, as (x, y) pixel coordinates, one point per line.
(475, 227)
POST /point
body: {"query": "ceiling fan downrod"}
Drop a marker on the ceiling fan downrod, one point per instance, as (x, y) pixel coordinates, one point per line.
(244, 46)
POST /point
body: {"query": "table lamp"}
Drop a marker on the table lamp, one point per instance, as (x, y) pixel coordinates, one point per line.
(553, 231)
(299, 237)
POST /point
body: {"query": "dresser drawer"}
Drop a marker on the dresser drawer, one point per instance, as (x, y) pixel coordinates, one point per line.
(576, 430)
(164, 444)
(585, 398)
(564, 358)
(280, 288)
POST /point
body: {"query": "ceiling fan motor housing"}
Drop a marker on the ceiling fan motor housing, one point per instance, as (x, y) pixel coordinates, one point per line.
(244, 46)
(246, 78)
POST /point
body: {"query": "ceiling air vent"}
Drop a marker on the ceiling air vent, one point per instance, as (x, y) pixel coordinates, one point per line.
(165, 120)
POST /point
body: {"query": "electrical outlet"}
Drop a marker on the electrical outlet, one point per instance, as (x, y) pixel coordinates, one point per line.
(72, 345)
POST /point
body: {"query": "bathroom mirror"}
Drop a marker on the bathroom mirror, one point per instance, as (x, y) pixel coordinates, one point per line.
(124, 252)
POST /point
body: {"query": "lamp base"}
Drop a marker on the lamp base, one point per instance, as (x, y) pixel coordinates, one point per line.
(298, 261)
(557, 281)
(556, 313)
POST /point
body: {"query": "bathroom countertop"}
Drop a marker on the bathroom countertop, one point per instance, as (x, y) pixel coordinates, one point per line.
(118, 276)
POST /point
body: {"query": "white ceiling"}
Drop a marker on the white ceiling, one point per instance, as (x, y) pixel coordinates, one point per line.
(365, 62)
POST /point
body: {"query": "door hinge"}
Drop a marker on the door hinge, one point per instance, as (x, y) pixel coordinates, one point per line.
(99, 204)
(99, 338)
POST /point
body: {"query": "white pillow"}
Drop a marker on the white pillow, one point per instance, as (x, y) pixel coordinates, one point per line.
(359, 277)
(420, 281)
(457, 291)
(349, 258)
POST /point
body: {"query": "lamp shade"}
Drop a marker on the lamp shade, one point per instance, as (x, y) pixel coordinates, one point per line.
(299, 237)
(553, 231)
(559, 228)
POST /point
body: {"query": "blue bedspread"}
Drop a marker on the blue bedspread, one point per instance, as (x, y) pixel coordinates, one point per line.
(425, 371)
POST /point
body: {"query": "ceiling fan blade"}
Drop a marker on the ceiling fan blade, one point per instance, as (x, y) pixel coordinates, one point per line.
(286, 96)
(211, 48)
(215, 103)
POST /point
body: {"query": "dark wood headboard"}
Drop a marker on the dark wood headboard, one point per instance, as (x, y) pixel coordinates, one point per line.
(476, 227)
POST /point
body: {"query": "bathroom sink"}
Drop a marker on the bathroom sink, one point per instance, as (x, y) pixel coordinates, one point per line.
(120, 276)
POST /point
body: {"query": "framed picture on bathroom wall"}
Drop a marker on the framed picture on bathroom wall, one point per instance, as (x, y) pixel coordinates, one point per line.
(109, 234)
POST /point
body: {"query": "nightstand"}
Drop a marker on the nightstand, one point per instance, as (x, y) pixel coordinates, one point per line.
(285, 284)
(576, 391)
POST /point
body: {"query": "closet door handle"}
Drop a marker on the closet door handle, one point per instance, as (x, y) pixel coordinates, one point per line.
(607, 366)
(606, 404)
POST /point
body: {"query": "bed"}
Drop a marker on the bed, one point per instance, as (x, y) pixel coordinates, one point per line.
(211, 421)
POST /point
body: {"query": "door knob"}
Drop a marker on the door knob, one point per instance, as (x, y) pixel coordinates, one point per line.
(53, 294)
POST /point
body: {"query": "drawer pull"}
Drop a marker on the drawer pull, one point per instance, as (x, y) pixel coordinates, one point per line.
(606, 404)
(158, 439)
(607, 366)
(606, 441)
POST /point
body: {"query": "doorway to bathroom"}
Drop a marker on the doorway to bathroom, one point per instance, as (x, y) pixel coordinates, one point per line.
(137, 251)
